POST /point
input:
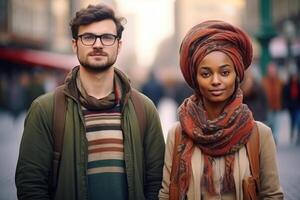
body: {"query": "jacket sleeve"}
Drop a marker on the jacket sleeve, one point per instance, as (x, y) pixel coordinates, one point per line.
(164, 191)
(269, 179)
(154, 149)
(35, 155)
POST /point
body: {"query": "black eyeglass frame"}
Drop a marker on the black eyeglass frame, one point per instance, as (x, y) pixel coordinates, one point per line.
(98, 36)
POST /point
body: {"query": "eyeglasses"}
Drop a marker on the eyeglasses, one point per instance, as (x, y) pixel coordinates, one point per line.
(89, 39)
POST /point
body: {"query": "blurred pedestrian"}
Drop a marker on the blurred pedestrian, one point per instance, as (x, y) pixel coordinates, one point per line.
(105, 154)
(153, 88)
(18, 93)
(273, 87)
(36, 87)
(215, 125)
(291, 99)
(254, 97)
(182, 92)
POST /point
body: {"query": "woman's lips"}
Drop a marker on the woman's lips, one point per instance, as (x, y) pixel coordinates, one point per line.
(217, 92)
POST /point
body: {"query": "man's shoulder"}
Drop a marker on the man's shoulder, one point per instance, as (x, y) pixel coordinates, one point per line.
(146, 101)
(45, 98)
(44, 102)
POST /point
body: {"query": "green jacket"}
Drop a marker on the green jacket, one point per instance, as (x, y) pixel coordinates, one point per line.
(143, 159)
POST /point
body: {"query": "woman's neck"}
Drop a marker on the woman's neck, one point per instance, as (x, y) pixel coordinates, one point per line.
(213, 109)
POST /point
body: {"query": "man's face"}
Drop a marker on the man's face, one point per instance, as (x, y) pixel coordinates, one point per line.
(97, 57)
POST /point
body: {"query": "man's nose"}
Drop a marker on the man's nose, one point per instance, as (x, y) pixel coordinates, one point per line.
(98, 43)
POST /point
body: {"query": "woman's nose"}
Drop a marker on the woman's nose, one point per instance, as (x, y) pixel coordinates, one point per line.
(215, 79)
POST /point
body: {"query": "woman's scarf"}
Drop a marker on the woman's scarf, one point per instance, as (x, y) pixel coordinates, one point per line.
(222, 136)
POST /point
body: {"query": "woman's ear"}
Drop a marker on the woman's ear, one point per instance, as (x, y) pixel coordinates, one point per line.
(237, 83)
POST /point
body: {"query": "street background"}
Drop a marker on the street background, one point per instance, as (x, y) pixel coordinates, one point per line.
(11, 132)
(36, 55)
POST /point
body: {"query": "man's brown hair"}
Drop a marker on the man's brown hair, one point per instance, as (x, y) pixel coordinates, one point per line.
(95, 13)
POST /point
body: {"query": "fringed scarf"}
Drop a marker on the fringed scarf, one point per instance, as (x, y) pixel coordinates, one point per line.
(222, 136)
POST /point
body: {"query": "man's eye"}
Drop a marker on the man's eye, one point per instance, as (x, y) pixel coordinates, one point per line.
(88, 37)
(107, 37)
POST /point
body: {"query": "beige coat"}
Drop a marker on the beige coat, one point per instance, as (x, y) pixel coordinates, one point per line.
(270, 187)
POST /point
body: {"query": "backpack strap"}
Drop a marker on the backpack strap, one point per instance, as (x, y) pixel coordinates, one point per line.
(59, 118)
(174, 187)
(253, 151)
(139, 110)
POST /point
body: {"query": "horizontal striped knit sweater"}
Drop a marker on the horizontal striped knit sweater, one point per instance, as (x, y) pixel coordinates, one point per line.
(106, 165)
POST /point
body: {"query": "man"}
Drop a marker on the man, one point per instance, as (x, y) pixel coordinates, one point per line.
(104, 155)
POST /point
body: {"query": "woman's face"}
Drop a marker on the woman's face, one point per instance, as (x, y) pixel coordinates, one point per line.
(216, 77)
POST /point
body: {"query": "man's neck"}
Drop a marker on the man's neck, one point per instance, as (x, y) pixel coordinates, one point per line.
(97, 85)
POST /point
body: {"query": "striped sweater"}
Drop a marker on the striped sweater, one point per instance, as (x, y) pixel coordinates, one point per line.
(106, 165)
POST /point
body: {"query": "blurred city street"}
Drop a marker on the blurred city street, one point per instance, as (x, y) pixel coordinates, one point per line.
(289, 162)
(36, 54)
(10, 137)
(11, 132)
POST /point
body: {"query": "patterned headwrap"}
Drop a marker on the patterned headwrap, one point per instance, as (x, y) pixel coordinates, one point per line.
(210, 36)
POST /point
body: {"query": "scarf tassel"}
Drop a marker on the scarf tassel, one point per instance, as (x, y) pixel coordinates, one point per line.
(228, 181)
(207, 180)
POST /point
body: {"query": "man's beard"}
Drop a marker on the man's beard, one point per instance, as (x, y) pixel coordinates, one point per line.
(97, 68)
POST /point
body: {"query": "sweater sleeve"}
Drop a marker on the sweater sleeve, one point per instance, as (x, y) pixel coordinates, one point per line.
(164, 191)
(269, 179)
(35, 155)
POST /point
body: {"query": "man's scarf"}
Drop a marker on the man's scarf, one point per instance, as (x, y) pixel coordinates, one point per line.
(121, 87)
(222, 136)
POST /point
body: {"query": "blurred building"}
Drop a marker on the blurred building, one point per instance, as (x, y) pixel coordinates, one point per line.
(36, 33)
(192, 12)
(39, 24)
(35, 24)
(281, 11)
(284, 44)
(188, 13)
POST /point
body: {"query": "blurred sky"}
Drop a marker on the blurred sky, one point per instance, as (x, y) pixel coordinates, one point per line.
(154, 20)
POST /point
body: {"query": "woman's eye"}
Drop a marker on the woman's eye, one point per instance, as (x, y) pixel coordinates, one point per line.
(225, 73)
(205, 74)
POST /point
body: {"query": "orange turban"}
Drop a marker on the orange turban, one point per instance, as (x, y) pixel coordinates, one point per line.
(210, 36)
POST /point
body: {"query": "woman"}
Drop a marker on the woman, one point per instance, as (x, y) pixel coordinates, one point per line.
(214, 124)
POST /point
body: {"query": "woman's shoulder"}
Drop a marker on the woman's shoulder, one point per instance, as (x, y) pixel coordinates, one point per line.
(265, 132)
(262, 127)
(172, 132)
